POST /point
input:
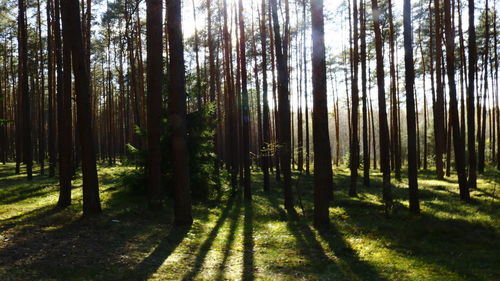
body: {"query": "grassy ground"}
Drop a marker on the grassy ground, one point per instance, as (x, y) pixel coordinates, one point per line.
(232, 239)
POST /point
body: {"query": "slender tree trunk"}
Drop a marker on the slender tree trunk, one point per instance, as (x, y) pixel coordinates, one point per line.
(482, 134)
(410, 110)
(306, 90)
(266, 123)
(177, 107)
(323, 184)
(65, 135)
(51, 79)
(425, 98)
(24, 89)
(284, 111)
(366, 153)
(383, 127)
(439, 104)
(354, 153)
(395, 124)
(457, 140)
(244, 108)
(154, 83)
(471, 144)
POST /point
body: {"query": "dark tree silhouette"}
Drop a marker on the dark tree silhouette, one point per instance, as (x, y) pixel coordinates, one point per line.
(177, 114)
(410, 110)
(323, 163)
(154, 83)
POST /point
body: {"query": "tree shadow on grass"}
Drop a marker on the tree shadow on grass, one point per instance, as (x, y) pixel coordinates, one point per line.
(345, 265)
(235, 213)
(428, 238)
(248, 243)
(33, 216)
(205, 247)
(153, 261)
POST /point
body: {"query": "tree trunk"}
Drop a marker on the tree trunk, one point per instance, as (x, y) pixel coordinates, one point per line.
(177, 108)
(154, 83)
(439, 104)
(284, 111)
(244, 108)
(72, 27)
(366, 153)
(394, 104)
(354, 152)
(457, 140)
(266, 123)
(410, 110)
(383, 127)
(24, 89)
(471, 141)
(65, 135)
(323, 184)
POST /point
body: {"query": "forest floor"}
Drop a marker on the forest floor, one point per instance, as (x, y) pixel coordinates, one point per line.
(232, 239)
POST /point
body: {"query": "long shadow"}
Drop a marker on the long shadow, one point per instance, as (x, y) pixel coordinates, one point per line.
(349, 260)
(248, 243)
(235, 213)
(205, 247)
(315, 252)
(37, 191)
(425, 237)
(28, 217)
(167, 245)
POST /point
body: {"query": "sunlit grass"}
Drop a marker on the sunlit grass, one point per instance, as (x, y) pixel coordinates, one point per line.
(231, 239)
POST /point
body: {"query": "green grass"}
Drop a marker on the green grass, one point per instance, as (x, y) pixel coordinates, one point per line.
(233, 239)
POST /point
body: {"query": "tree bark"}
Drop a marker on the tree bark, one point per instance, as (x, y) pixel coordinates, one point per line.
(154, 92)
(471, 141)
(383, 127)
(323, 184)
(457, 139)
(354, 143)
(177, 108)
(24, 89)
(284, 111)
(410, 110)
(72, 27)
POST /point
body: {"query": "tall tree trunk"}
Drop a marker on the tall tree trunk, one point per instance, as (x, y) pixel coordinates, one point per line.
(231, 116)
(284, 111)
(197, 59)
(177, 107)
(306, 90)
(72, 27)
(439, 104)
(51, 92)
(64, 134)
(354, 153)
(244, 108)
(41, 93)
(154, 83)
(383, 127)
(266, 123)
(394, 104)
(366, 153)
(471, 141)
(410, 110)
(323, 184)
(457, 139)
(482, 135)
(425, 97)
(24, 89)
